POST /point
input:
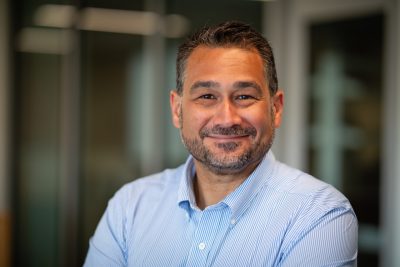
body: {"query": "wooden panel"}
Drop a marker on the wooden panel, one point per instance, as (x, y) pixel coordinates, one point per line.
(5, 240)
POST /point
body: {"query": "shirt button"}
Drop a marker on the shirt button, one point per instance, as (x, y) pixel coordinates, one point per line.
(202, 246)
(233, 221)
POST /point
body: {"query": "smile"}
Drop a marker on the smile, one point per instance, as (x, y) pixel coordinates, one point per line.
(228, 138)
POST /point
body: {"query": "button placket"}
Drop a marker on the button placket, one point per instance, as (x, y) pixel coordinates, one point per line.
(206, 232)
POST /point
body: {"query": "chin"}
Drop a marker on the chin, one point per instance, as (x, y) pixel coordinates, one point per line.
(225, 170)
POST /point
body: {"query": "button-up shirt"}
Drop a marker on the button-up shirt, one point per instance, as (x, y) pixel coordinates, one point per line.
(278, 216)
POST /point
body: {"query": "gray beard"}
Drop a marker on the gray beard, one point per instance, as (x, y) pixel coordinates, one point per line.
(227, 164)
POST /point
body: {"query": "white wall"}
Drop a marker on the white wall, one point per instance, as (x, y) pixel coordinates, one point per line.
(390, 189)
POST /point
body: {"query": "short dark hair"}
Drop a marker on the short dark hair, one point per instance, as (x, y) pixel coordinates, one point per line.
(228, 34)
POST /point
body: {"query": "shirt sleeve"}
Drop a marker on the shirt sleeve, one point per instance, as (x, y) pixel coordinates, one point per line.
(329, 241)
(107, 246)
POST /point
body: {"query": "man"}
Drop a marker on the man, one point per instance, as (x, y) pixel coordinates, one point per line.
(231, 203)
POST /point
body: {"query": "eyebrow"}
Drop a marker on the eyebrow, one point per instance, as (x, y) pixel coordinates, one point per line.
(204, 84)
(237, 85)
(246, 84)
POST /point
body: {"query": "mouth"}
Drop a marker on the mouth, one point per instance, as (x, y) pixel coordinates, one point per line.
(229, 138)
(235, 133)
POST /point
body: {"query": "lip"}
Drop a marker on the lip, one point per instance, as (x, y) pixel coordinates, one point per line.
(227, 137)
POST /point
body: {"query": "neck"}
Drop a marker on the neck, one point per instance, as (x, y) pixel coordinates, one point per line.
(210, 188)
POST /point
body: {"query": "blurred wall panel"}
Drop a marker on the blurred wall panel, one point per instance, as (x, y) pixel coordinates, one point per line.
(5, 206)
(38, 158)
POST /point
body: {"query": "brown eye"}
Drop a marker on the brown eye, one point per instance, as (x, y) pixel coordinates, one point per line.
(207, 96)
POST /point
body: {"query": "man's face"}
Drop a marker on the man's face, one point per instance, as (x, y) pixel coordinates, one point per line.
(225, 113)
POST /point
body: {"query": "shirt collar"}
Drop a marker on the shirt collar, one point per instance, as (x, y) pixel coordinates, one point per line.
(239, 200)
(186, 198)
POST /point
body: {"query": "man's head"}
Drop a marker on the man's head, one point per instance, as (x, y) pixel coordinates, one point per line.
(225, 108)
(228, 34)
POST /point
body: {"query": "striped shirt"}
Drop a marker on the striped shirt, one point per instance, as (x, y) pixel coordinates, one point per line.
(278, 216)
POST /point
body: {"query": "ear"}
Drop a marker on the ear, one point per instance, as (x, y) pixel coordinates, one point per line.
(175, 103)
(277, 103)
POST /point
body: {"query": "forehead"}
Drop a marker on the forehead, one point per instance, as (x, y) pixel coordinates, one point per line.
(205, 54)
(227, 63)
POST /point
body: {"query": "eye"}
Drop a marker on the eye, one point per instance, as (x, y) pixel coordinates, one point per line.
(245, 97)
(206, 99)
(207, 96)
(245, 100)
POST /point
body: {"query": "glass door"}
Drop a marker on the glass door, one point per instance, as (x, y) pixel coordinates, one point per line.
(345, 92)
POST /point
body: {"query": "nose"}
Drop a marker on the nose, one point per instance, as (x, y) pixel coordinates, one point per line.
(227, 114)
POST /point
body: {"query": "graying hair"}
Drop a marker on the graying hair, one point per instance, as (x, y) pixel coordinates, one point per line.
(228, 34)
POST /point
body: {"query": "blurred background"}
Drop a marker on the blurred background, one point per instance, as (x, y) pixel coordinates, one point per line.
(84, 108)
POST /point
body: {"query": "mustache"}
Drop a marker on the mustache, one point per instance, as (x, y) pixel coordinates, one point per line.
(235, 130)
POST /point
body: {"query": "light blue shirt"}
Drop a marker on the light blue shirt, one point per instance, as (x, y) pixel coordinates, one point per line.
(278, 216)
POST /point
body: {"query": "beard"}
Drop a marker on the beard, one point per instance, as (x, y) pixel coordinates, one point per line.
(228, 162)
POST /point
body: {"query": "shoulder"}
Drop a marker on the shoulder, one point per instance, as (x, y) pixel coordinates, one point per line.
(299, 184)
(147, 188)
(304, 201)
(313, 214)
(319, 216)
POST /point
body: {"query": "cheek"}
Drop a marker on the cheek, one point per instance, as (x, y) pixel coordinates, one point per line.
(257, 118)
(261, 121)
(192, 121)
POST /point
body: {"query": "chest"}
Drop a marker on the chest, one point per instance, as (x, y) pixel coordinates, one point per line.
(211, 238)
